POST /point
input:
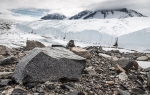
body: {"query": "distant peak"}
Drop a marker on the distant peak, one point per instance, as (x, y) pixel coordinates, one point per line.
(54, 16)
(107, 14)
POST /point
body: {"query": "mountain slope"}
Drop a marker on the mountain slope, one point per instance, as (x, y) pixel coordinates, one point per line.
(107, 14)
(54, 16)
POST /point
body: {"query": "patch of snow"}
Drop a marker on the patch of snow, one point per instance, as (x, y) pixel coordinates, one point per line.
(144, 64)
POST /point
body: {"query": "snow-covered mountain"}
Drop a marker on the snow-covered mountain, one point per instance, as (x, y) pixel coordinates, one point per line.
(54, 16)
(107, 14)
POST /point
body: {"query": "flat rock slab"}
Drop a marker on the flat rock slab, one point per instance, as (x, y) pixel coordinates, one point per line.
(50, 63)
(142, 58)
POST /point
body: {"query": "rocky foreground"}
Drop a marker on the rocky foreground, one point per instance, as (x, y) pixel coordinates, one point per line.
(26, 71)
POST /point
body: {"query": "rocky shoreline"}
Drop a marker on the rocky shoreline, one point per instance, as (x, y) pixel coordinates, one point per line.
(106, 73)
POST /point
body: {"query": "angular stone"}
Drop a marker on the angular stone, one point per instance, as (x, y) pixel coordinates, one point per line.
(123, 76)
(142, 58)
(8, 60)
(4, 82)
(123, 92)
(105, 55)
(32, 44)
(4, 50)
(81, 52)
(53, 63)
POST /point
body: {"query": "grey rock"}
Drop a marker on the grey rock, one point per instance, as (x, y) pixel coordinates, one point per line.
(8, 60)
(121, 62)
(123, 92)
(123, 76)
(73, 93)
(40, 90)
(4, 82)
(51, 63)
(147, 69)
(142, 58)
(137, 91)
(31, 44)
(148, 79)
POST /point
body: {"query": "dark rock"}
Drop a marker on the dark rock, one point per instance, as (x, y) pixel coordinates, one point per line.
(138, 91)
(30, 85)
(148, 79)
(19, 92)
(70, 44)
(8, 60)
(32, 44)
(132, 64)
(123, 92)
(58, 46)
(46, 64)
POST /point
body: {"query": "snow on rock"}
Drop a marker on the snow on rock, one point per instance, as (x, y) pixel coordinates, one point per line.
(107, 14)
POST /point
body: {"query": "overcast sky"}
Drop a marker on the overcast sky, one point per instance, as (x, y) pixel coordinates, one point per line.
(71, 7)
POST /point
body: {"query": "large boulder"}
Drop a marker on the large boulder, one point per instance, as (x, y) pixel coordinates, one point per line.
(81, 52)
(49, 64)
(31, 44)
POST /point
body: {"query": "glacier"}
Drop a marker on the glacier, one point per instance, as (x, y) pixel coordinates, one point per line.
(133, 33)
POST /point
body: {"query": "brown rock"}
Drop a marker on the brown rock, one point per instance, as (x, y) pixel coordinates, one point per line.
(4, 50)
(1, 56)
(110, 82)
(5, 74)
(118, 68)
(81, 52)
(32, 44)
